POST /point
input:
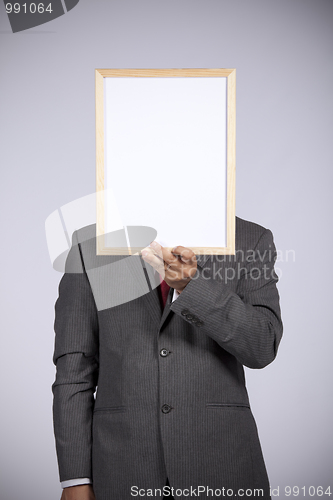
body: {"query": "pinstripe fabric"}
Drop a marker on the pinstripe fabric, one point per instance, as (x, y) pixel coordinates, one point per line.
(226, 317)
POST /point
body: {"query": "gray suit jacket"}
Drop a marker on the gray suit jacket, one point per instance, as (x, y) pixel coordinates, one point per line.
(171, 398)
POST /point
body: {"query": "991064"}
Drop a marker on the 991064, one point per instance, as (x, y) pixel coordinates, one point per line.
(310, 491)
(31, 8)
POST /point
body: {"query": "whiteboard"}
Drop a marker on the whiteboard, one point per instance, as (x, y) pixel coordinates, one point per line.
(165, 157)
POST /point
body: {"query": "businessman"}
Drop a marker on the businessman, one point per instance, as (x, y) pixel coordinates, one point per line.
(171, 406)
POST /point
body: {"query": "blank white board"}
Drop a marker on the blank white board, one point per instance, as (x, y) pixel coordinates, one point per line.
(165, 158)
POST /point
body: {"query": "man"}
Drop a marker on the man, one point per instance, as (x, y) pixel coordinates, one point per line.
(171, 403)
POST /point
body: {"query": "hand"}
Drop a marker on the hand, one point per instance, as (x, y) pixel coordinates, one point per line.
(177, 267)
(81, 492)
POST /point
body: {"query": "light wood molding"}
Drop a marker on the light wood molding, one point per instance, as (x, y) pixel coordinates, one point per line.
(230, 74)
(164, 72)
(100, 222)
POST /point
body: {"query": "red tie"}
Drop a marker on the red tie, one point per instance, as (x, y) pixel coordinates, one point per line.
(164, 291)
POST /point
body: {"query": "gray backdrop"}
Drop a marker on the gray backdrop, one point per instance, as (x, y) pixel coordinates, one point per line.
(282, 51)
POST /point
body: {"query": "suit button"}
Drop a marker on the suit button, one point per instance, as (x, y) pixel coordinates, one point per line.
(189, 316)
(166, 408)
(184, 312)
(199, 323)
(164, 352)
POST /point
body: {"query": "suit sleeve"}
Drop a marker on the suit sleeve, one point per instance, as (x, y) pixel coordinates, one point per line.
(76, 360)
(247, 323)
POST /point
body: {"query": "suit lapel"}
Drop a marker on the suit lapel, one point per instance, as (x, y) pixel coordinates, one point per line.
(152, 299)
(201, 260)
(152, 302)
(146, 281)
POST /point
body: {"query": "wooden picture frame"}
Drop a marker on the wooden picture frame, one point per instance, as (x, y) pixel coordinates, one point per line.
(206, 79)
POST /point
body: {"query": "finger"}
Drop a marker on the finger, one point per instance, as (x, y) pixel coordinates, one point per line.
(168, 267)
(186, 254)
(153, 259)
(164, 253)
(156, 248)
(150, 255)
